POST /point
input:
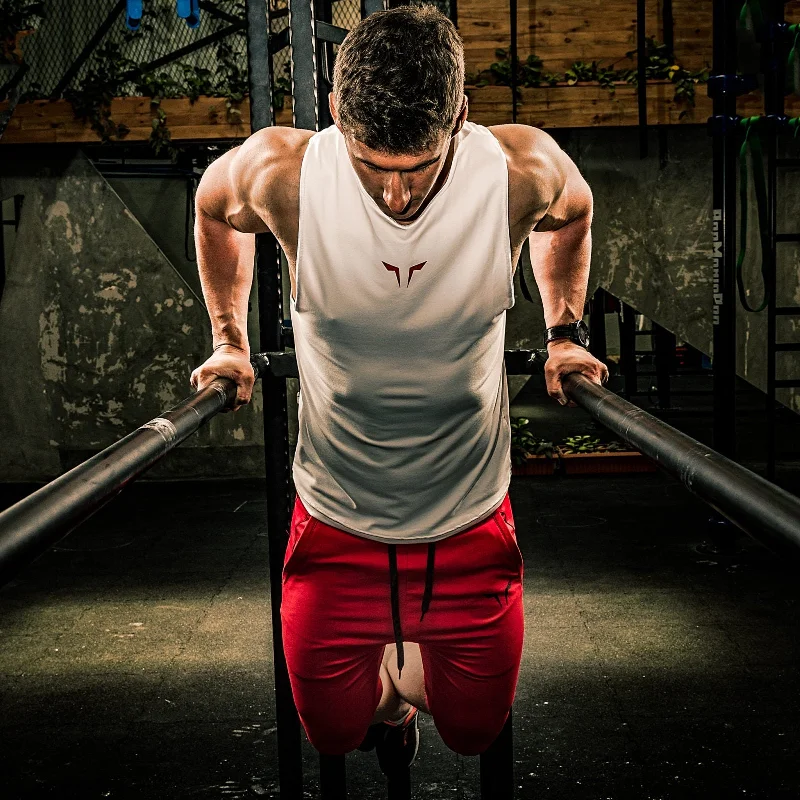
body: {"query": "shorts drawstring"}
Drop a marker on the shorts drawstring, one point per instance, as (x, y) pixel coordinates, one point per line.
(427, 596)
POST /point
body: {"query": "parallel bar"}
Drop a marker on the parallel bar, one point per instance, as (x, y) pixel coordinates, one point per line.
(28, 528)
(758, 507)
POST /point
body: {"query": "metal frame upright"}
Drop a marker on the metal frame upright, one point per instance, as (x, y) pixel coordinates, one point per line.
(723, 87)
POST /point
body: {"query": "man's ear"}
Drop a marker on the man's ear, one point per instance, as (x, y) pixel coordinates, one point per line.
(332, 108)
(461, 118)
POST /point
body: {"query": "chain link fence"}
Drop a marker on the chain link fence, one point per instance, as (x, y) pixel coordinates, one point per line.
(212, 57)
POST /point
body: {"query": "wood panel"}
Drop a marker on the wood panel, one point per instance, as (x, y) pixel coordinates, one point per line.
(54, 122)
(563, 31)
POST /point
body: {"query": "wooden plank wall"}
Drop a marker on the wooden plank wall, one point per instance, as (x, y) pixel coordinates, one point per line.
(563, 31)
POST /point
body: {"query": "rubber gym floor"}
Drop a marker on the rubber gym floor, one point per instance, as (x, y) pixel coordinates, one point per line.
(136, 655)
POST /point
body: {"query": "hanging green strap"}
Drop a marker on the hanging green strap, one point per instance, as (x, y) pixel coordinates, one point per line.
(750, 16)
(793, 63)
(752, 139)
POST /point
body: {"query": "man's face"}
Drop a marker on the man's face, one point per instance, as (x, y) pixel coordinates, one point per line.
(399, 184)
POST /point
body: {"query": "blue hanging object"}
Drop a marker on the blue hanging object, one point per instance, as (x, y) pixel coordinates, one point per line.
(133, 14)
(190, 11)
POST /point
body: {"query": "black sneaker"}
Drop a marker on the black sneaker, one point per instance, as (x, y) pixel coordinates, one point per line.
(395, 745)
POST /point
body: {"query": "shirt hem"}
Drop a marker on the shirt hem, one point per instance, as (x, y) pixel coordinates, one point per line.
(483, 515)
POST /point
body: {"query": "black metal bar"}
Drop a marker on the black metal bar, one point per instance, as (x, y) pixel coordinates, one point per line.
(302, 37)
(2, 251)
(597, 325)
(755, 505)
(189, 48)
(330, 33)
(215, 11)
(627, 348)
(724, 226)
(276, 418)
(88, 49)
(29, 527)
(787, 346)
(669, 26)
(497, 765)
(279, 40)
(788, 311)
(664, 342)
(641, 70)
(327, 35)
(774, 81)
(332, 777)
(11, 84)
(514, 58)
(370, 7)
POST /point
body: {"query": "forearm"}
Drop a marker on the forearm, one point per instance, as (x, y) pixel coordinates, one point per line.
(560, 261)
(225, 263)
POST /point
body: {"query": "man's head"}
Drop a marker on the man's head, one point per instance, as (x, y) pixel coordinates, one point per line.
(398, 97)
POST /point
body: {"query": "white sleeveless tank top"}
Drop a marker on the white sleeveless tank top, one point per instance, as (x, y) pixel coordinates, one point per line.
(399, 334)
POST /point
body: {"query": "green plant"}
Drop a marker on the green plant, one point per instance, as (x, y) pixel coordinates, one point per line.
(16, 16)
(525, 444)
(104, 80)
(660, 65)
(589, 444)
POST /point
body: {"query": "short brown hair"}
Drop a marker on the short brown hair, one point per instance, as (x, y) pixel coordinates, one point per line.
(398, 80)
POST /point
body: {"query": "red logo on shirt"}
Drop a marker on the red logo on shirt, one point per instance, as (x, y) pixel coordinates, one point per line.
(411, 271)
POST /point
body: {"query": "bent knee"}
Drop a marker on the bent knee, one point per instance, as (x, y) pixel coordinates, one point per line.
(470, 737)
(334, 737)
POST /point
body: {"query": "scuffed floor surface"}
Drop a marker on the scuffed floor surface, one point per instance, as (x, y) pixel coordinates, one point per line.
(135, 659)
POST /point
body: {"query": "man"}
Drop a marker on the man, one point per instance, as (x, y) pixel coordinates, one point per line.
(402, 225)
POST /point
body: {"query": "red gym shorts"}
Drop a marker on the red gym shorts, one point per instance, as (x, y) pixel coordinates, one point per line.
(337, 618)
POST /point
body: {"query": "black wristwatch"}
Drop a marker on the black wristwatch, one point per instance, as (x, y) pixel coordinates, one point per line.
(576, 332)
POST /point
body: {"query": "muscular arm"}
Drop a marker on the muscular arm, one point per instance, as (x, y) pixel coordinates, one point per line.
(561, 240)
(224, 225)
(552, 204)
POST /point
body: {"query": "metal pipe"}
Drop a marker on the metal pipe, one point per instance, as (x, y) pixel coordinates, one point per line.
(761, 509)
(29, 527)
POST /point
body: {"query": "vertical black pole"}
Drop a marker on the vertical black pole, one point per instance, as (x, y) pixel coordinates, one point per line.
(774, 106)
(724, 229)
(303, 43)
(276, 423)
(641, 66)
(627, 350)
(323, 11)
(497, 765)
(513, 53)
(664, 346)
(597, 325)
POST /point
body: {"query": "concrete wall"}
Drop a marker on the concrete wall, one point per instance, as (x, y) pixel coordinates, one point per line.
(100, 330)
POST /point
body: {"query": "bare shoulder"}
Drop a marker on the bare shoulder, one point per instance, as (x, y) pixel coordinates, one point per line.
(266, 168)
(257, 181)
(544, 182)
